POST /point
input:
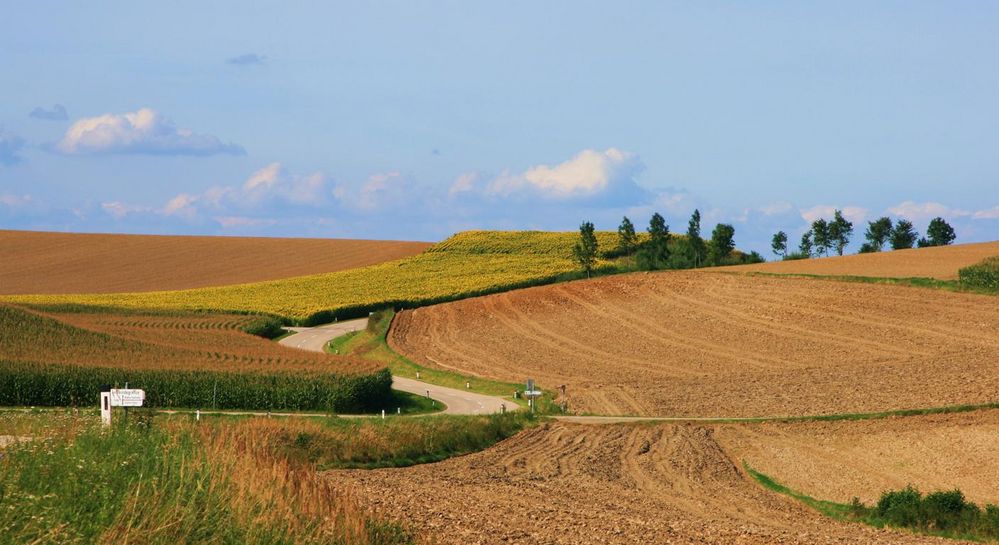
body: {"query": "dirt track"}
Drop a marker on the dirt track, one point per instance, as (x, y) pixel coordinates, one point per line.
(714, 344)
(578, 484)
(36, 262)
(940, 262)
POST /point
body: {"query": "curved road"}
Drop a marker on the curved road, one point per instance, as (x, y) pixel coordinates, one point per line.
(458, 401)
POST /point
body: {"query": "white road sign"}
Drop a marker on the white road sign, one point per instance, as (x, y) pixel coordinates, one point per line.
(127, 398)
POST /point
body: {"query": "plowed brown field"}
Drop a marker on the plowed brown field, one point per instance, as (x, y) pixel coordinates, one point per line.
(940, 262)
(839, 460)
(721, 345)
(616, 484)
(35, 262)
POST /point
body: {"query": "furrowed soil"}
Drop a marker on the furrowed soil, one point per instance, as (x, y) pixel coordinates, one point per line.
(839, 460)
(704, 344)
(50, 263)
(941, 262)
(576, 484)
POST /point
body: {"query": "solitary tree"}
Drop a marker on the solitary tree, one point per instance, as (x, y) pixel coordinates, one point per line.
(820, 236)
(805, 246)
(903, 235)
(585, 250)
(695, 242)
(940, 233)
(877, 234)
(626, 238)
(779, 243)
(722, 243)
(840, 231)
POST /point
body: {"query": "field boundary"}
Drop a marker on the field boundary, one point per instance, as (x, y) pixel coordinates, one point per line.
(912, 282)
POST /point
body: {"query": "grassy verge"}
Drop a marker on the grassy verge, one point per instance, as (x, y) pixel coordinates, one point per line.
(371, 344)
(394, 442)
(410, 404)
(167, 481)
(943, 514)
(948, 409)
(918, 282)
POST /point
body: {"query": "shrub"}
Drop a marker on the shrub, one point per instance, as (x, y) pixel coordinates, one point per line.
(900, 507)
(981, 275)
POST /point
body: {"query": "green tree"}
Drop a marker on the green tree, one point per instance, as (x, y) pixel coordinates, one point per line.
(903, 236)
(940, 233)
(840, 231)
(779, 243)
(626, 238)
(722, 243)
(698, 249)
(805, 246)
(820, 236)
(878, 232)
(655, 252)
(585, 250)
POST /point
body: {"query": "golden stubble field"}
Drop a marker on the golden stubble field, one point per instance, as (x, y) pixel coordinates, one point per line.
(710, 344)
(44, 263)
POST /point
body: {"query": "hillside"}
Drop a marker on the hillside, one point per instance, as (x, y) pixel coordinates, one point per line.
(704, 343)
(467, 264)
(63, 357)
(37, 262)
(940, 262)
(611, 484)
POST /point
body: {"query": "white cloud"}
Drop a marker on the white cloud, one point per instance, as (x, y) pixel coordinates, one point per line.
(855, 214)
(464, 183)
(775, 209)
(141, 132)
(381, 190)
(925, 211)
(589, 173)
(182, 205)
(15, 201)
(120, 210)
(987, 214)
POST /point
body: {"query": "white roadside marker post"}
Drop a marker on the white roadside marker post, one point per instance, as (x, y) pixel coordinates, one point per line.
(383, 414)
(106, 409)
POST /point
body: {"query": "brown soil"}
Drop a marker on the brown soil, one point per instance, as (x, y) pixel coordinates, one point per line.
(36, 263)
(940, 262)
(839, 460)
(612, 484)
(721, 345)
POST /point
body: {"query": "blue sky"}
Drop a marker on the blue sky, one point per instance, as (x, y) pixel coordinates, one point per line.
(413, 120)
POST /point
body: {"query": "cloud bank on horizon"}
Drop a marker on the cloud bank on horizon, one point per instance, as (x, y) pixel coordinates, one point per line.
(597, 185)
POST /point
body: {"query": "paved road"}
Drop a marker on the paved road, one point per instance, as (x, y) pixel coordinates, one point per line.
(457, 401)
(314, 339)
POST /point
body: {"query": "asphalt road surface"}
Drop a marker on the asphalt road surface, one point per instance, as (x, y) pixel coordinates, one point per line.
(457, 401)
